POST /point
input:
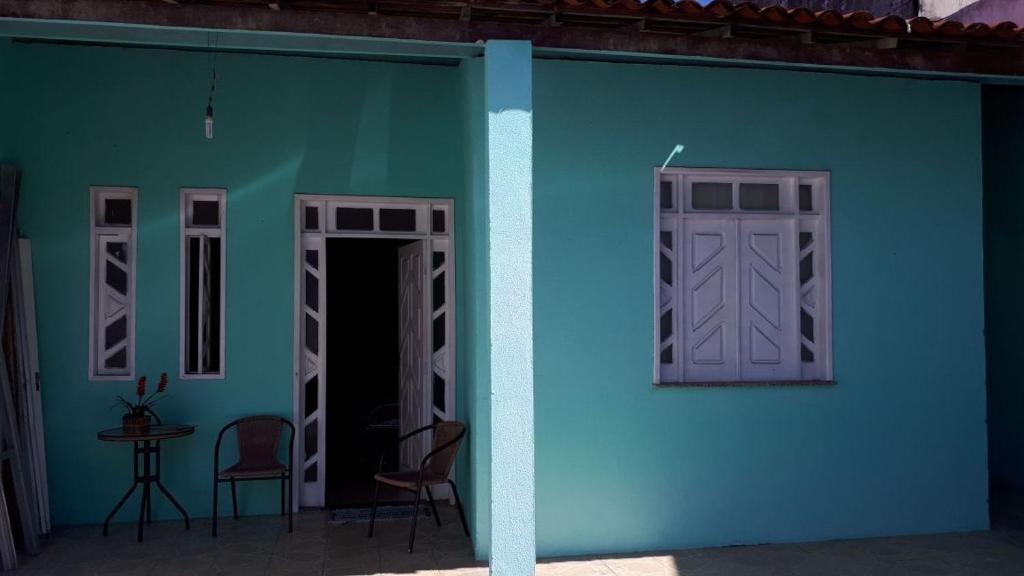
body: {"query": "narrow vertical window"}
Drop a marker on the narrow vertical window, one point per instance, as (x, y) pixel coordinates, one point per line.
(202, 282)
(112, 283)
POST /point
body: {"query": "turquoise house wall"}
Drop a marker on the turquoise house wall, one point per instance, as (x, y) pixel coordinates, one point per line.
(1004, 308)
(84, 116)
(898, 445)
(475, 348)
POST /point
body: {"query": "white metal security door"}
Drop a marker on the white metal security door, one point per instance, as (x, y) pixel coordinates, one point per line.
(412, 399)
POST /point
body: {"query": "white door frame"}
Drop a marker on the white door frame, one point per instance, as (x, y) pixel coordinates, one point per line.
(315, 221)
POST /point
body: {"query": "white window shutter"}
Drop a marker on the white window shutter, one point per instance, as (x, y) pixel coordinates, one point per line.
(769, 337)
(709, 318)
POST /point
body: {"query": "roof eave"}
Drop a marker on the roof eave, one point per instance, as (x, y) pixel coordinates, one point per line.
(868, 54)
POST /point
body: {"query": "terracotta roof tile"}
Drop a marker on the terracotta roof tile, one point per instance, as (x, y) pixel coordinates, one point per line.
(891, 24)
(829, 18)
(949, 28)
(718, 9)
(921, 25)
(1005, 30)
(860, 20)
(802, 16)
(776, 14)
(978, 30)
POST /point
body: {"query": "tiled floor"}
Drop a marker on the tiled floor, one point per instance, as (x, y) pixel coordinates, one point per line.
(262, 546)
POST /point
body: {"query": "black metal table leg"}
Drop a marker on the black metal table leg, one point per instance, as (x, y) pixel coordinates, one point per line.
(146, 477)
(106, 523)
(167, 493)
(135, 484)
(175, 502)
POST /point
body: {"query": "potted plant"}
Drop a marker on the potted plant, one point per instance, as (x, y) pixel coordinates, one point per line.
(137, 416)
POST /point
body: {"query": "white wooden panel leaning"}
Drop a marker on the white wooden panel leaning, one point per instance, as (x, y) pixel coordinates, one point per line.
(30, 403)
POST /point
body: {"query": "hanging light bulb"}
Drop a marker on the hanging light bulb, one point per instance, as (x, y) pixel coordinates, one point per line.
(208, 120)
(208, 123)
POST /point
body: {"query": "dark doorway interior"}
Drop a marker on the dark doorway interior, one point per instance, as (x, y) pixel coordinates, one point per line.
(362, 366)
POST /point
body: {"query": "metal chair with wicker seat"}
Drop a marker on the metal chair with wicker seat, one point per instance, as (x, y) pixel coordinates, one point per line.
(258, 440)
(435, 468)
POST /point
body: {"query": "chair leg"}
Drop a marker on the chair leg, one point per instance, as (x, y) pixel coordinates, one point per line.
(234, 499)
(282, 494)
(415, 516)
(216, 485)
(373, 510)
(433, 507)
(458, 504)
(290, 505)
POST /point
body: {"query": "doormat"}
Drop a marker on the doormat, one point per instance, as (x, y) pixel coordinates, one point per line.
(384, 513)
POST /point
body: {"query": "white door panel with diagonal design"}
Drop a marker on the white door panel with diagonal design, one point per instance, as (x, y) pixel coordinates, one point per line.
(414, 411)
(768, 300)
(709, 309)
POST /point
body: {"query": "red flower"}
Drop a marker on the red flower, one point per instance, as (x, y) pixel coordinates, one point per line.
(162, 385)
(140, 390)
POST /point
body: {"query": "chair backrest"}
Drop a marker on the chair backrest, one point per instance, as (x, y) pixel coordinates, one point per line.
(441, 463)
(258, 440)
(383, 414)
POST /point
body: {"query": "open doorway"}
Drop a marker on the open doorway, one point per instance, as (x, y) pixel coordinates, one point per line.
(363, 418)
(374, 339)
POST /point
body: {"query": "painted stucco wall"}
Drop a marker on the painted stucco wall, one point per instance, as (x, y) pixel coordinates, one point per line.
(475, 348)
(508, 91)
(898, 445)
(1004, 244)
(109, 116)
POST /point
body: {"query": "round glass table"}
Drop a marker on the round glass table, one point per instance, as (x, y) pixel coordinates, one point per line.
(148, 446)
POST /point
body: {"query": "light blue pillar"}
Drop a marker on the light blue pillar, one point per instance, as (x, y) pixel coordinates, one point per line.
(508, 93)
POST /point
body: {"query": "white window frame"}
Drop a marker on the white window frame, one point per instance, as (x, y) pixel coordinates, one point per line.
(188, 231)
(99, 233)
(819, 216)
